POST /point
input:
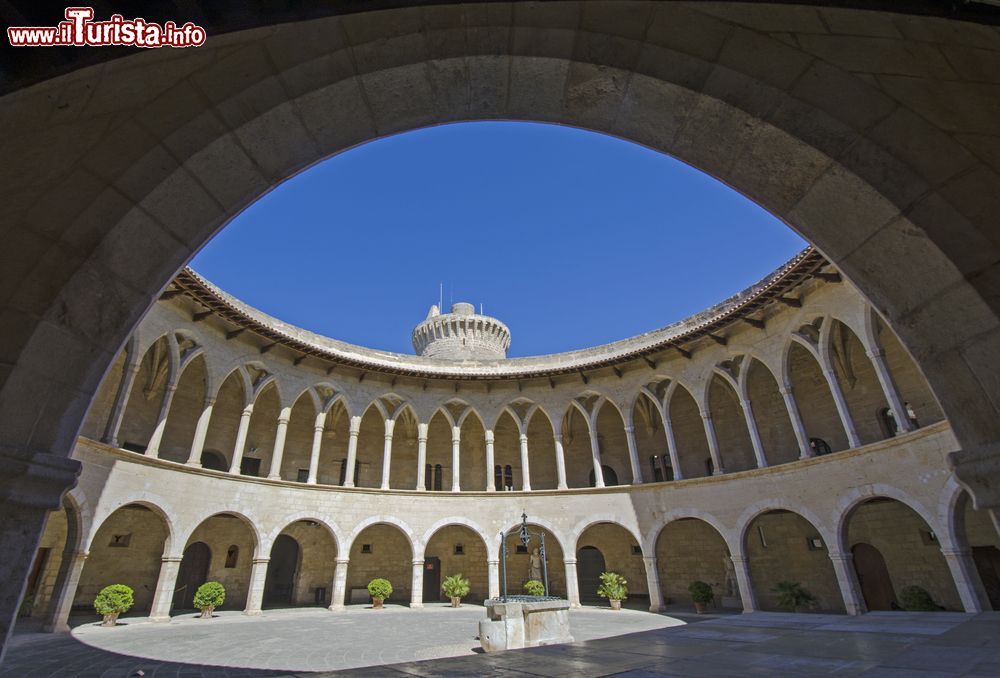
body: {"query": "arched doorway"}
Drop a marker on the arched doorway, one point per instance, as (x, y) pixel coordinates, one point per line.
(380, 551)
(689, 550)
(589, 566)
(126, 549)
(279, 584)
(193, 573)
(230, 539)
(519, 560)
(782, 546)
(873, 576)
(455, 549)
(908, 545)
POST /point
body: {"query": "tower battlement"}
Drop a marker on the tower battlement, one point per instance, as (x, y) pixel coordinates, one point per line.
(461, 334)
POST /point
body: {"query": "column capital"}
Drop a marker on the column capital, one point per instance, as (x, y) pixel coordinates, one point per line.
(841, 556)
(210, 401)
(39, 481)
(390, 424)
(493, 561)
(786, 390)
(355, 425)
(171, 559)
(283, 420)
(342, 561)
(456, 433)
(706, 415)
(318, 429)
(523, 438)
(629, 428)
(418, 563)
(558, 438)
(875, 353)
(489, 435)
(649, 559)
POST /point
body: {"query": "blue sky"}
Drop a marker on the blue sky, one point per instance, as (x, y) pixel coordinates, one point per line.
(571, 238)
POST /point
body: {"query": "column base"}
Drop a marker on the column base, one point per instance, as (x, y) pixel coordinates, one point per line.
(416, 606)
(563, 487)
(56, 628)
(160, 620)
(657, 608)
(335, 608)
(193, 464)
(253, 613)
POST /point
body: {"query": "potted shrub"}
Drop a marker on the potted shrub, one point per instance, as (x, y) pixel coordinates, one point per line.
(533, 587)
(701, 594)
(613, 588)
(379, 590)
(209, 596)
(112, 601)
(792, 596)
(456, 587)
(917, 599)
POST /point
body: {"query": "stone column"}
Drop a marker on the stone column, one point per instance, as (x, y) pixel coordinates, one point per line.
(163, 597)
(417, 590)
(390, 424)
(279, 443)
(456, 442)
(352, 450)
(877, 356)
(668, 430)
(850, 591)
(560, 463)
(713, 443)
(525, 471)
(841, 403)
(595, 456)
(758, 446)
(633, 455)
(57, 616)
(493, 577)
(339, 585)
(318, 427)
(255, 595)
(970, 587)
(805, 449)
(572, 585)
(653, 584)
(30, 488)
(241, 438)
(742, 566)
(153, 448)
(491, 481)
(114, 425)
(200, 432)
(421, 457)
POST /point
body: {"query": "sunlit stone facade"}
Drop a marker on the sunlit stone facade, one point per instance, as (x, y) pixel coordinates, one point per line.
(765, 439)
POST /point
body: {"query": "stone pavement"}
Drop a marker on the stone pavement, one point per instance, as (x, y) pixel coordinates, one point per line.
(877, 645)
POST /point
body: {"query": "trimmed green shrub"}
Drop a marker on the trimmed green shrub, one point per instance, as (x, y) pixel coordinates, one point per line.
(379, 588)
(533, 587)
(613, 586)
(792, 596)
(456, 586)
(701, 592)
(917, 599)
(114, 599)
(211, 594)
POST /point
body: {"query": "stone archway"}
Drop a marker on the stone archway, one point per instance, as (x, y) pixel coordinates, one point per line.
(101, 218)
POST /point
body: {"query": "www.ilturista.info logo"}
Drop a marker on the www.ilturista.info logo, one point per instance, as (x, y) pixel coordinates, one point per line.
(81, 30)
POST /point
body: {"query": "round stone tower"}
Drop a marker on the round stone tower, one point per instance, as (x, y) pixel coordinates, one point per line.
(462, 334)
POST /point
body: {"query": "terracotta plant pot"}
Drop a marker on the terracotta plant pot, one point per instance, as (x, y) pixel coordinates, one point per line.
(110, 619)
(377, 603)
(206, 612)
(456, 601)
(616, 604)
(699, 608)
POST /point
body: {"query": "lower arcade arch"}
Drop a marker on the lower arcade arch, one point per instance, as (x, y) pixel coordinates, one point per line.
(301, 566)
(228, 544)
(689, 550)
(782, 546)
(609, 547)
(521, 563)
(455, 549)
(894, 548)
(380, 551)
(127, 548)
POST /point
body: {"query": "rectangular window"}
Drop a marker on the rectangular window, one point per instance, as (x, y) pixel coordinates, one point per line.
(303, 475)
(120, 541)
(366, 548)
(459, 549)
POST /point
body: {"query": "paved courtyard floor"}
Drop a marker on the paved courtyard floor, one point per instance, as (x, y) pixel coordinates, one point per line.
(438, 641)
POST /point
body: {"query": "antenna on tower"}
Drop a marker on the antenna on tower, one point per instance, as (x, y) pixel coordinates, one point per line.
(440, 295)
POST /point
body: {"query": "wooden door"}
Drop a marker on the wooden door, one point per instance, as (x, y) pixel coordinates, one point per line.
(193, 573)
(432, 579)
(589, 566)
(873, 576)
